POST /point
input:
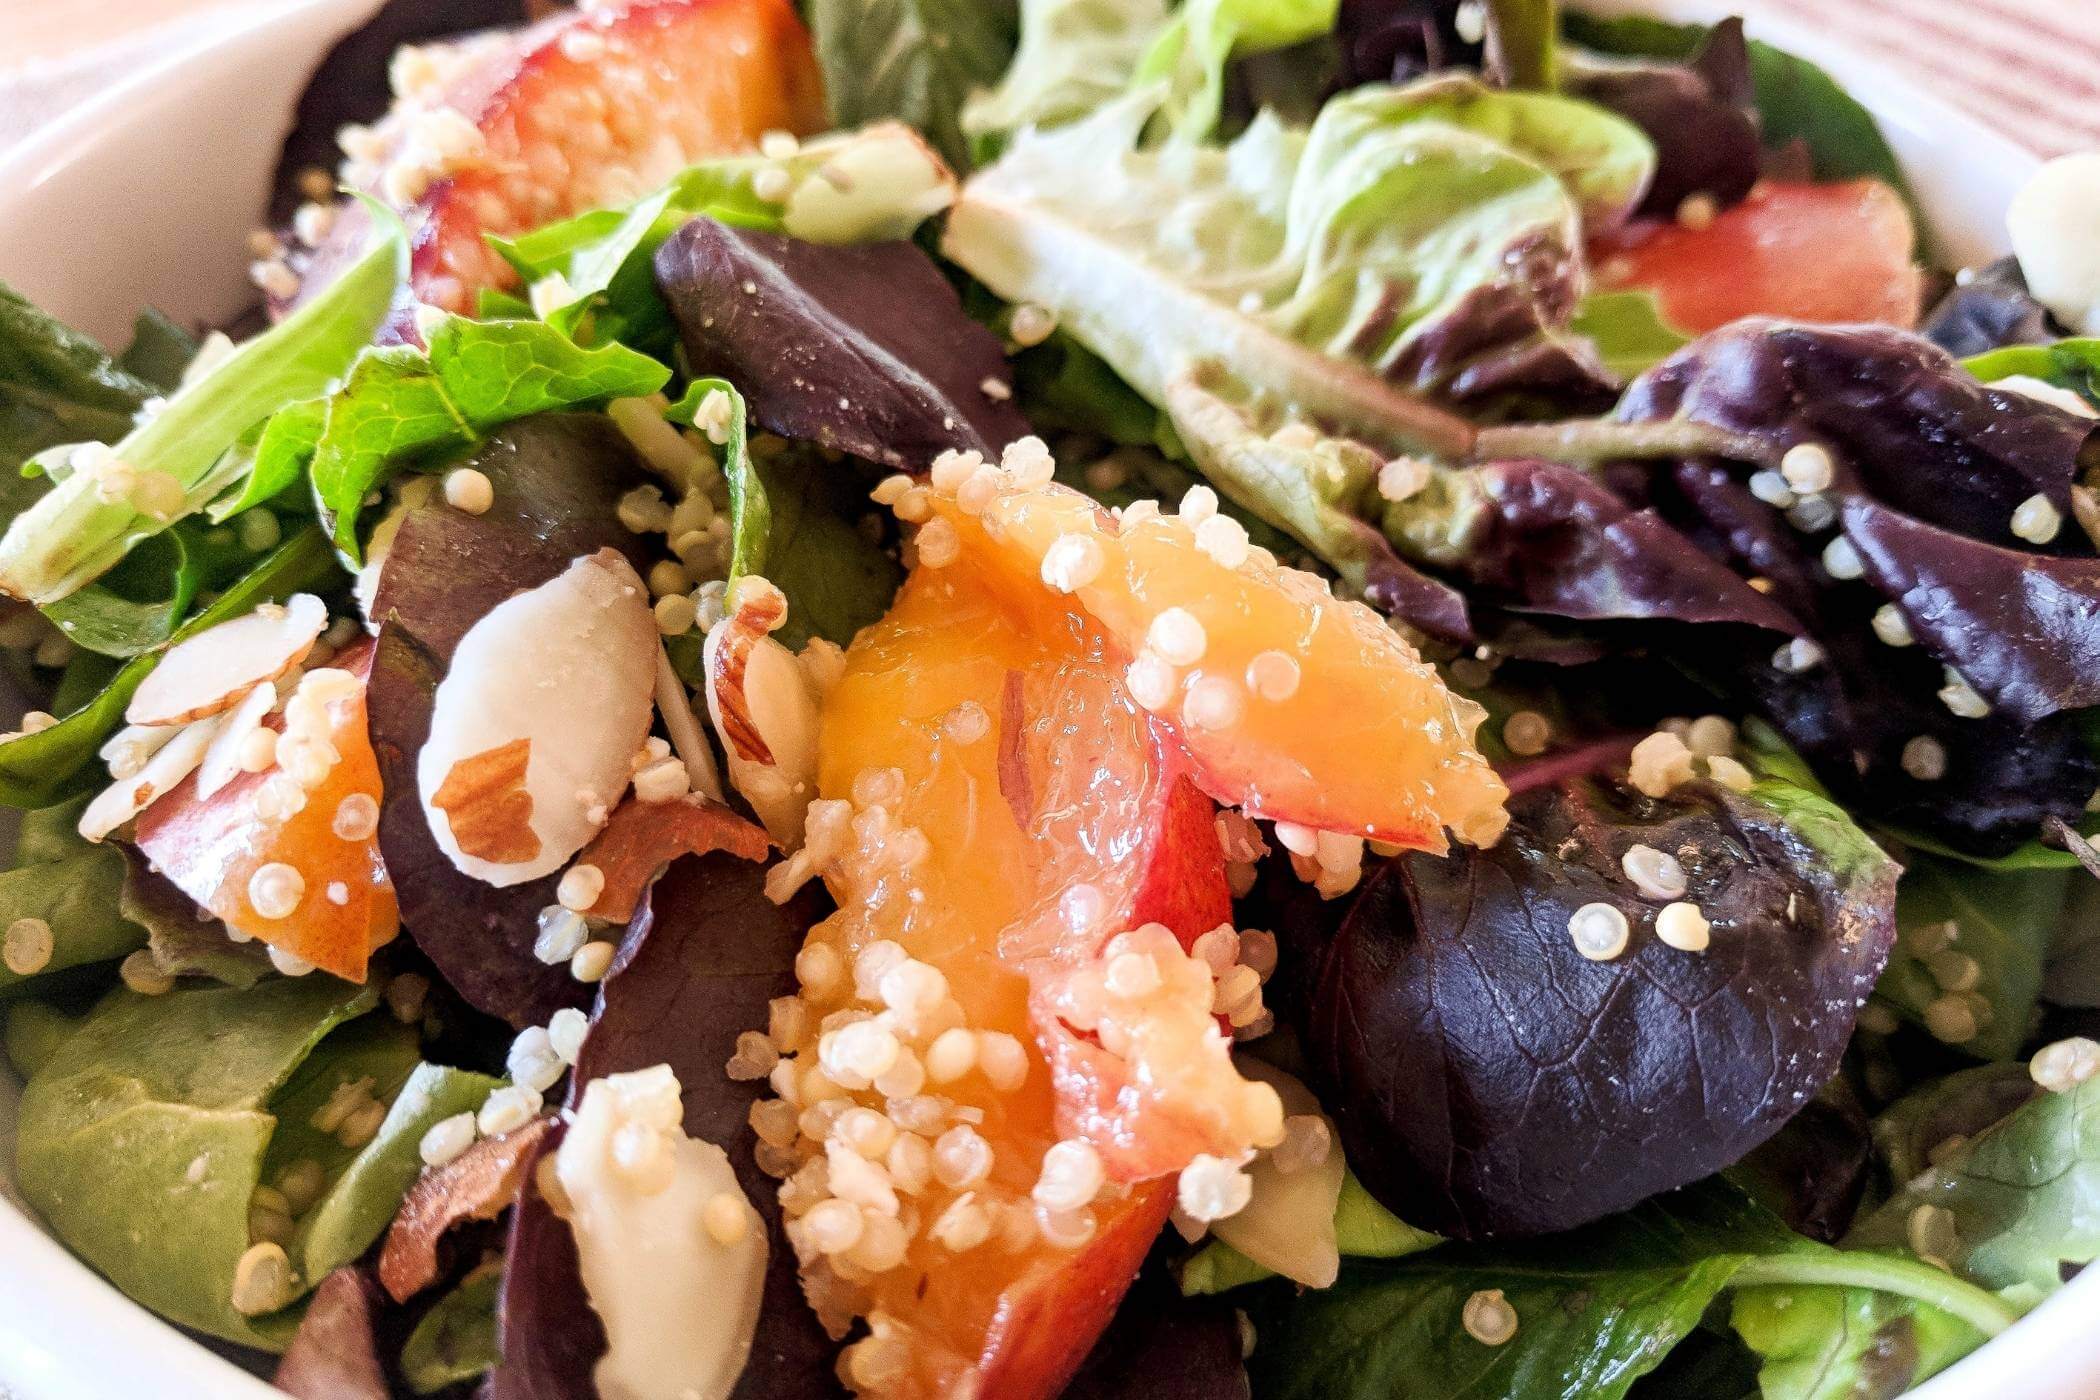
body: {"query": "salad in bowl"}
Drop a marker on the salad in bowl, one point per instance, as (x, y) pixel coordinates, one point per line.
(1258, 698)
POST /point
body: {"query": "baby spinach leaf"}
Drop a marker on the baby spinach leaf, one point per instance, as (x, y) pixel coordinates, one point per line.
(401, 407)
(1958, 922)
(789, 525)
(2068, 364)
(1596, 1308)
(71, 535)
(31, 1032)
(185, 942)
(861, 349)
(56, 386)
(1562, 1089)
(361, 1202)
(159, 351)
(1920, 1125)
(915, 60)
(38, 769)
(2024, 1196)
(1796, 101)
(456, 1340)
(1845, 1343)
(77, 896)
(143, 1136)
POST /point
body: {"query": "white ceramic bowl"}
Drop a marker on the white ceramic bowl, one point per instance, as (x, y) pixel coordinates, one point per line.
(144, 195)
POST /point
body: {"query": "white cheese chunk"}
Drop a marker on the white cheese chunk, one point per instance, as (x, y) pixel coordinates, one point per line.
(2052, 221)
(679, 1306)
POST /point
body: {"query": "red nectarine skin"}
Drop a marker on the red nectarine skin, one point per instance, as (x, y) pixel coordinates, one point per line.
(1807, 252)
(212, 848)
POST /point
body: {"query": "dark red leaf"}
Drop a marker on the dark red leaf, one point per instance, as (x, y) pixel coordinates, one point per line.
(332, 1355)
(479, 1184)
(864, 349)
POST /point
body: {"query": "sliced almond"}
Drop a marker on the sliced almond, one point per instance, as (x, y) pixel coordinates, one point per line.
(127, 750)
(212, 671)
(222, 761)
(675, 704)
(487, 806)
(568, 669)
(127, 797)
(766, 710)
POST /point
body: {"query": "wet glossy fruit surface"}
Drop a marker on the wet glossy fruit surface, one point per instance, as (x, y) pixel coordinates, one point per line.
(1806, 252)
(212, 849)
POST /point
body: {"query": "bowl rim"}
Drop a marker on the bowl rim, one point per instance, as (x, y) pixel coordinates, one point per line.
(54, 1308)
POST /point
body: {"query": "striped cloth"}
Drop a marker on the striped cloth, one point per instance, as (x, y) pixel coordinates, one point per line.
(2030, 68)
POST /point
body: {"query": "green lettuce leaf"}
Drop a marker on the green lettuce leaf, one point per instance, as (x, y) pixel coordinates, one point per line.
(871, 185)
(789, 524)
(403, 407)
(2002, 922)
(31, 1032)
(77, 895)
(914, 60)
(1363, 1229)
(56, 386)
(456, 1340)
(142, 1138)
(1845, 1343)
(1627, 330)
(41, 768)
(1074, 56)
(2068, 364)
(1338, 269)
(139, 603)
(1191, 54)
(2024, 1197)
(363, 1199)
(71, 536)
(1596, 1307)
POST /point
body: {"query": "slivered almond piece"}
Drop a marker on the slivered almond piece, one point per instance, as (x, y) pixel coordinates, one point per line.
(126, 798)
(644, 837)
(568, 671)
(485, 802)
(675, 704)
(222, 761)
(479, 1184)
(211, 672)
(765, 709)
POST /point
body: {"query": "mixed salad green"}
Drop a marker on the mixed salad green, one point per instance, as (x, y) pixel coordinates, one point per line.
(504, 903)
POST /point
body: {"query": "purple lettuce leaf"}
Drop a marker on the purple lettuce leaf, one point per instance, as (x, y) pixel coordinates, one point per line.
(2023, 629)
(1397, 41)
(1988, 312)
(697, 967)
(1546, 539)
(1906, 423)
(557, 479)
(862, 349)
(1701, 115)
(1563, 544)
(1491, 1081)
